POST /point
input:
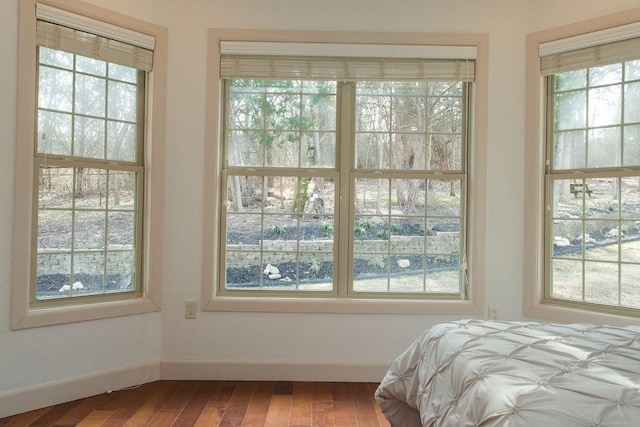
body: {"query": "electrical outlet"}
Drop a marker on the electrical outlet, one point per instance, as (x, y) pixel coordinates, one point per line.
(190, 309)
(493, 312)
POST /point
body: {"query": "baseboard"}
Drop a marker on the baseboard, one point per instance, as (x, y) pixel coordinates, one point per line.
(28, 399)
(271, 371)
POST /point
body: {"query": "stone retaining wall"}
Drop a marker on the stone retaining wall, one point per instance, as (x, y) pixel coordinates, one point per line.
(120, 261)
(280, 251)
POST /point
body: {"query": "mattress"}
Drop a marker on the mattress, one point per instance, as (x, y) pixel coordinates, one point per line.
(494, 373)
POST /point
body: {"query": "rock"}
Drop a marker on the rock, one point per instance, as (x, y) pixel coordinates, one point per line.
(76, 286)
(614, 232)
(561, 241)
(404, 263)
(271, 269)
(274, 276)
(587, 239)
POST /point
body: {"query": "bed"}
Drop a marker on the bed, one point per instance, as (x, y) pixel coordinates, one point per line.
(494, 373)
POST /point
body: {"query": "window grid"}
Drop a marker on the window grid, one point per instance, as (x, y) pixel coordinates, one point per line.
(116, 175)
(593, 222)
(410, 173)
(237, 174)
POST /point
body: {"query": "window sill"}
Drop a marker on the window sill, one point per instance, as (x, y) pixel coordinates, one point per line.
(34, 318)
(554, 313)
(340, 306)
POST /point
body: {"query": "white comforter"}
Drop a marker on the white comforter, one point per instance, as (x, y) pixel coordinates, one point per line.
(490, 373)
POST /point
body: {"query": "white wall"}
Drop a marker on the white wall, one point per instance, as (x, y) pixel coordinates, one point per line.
(56, 354)
(35, 360)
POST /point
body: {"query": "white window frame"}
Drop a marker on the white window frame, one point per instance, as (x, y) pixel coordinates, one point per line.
(213, 301)
(25, 313)
(615, 27)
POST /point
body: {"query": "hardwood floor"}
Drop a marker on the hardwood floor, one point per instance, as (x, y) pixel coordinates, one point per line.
(217, 403)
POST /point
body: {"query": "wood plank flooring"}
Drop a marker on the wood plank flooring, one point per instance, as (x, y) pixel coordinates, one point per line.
(217, 403)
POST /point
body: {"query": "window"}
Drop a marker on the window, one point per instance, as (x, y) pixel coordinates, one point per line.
(592, 171)
(89, 169)
(89, 165)
(344, 176)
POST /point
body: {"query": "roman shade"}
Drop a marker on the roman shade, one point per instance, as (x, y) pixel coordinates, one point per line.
(63, 30)
(345, 62)
(597, 48)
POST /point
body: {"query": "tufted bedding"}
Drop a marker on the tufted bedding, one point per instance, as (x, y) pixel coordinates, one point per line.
(491, 373)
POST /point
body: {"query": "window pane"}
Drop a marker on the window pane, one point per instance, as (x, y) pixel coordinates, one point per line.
(91, 66)
(570, 80)
(605, 106)
(122, 72)
(629, 247)
(54, 133)
(632, 70)
(631, 145)
(88, 273)
(283, 111)
(122, 101)
(372, 195)
(122, 190)
(54, 230)
(90, 95)
(444, 197)
(569, 150)
(55, 89)
(91, 188)
(120, 270)
(604, 148)
(630, 286)
(632, 102)
(601, 283)
(408, 151)
(570, 110)
(89, 229)
(57, 58)
(243, 270)
(89, 138)
(246, 148)
(370, 272)
(319, 111)
(122, 141)
(630, 198)
(567, 279)
(318, 149)
(372, 151)
(605, 234)
(121, 230)
(55, 187)
(282, 149)
(606, 74)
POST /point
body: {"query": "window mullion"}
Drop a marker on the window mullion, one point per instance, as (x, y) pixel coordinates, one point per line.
(344, 226)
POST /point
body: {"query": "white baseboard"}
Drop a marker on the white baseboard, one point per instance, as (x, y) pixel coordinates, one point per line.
(28, 399)
(271, 371)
